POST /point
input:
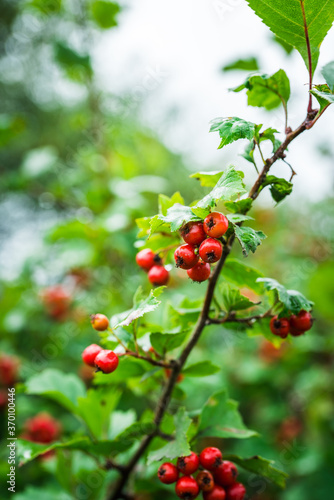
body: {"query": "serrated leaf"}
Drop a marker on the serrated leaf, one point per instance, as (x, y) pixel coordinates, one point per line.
(105, 13)
(220, 417)
(208, 179)
(269, 135)
(240, 206)
(232, 129)
(267, 91)
(64, 388)
(292, 300)
(235, 218)
(179, 446)
(177, 215)
(328, 74)
(143, 306)
(279, 187)
(262, 467)
(248, 238)
(165, 202)
(232, 299)
(323, 95)
(287, 21)
(201, 369)
(239, 274)
(250, 64)
(229, 186)
(167, 341)
(144, 226)
(288, 48)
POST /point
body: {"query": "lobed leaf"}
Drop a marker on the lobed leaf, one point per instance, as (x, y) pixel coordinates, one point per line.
(232, 129)
(262, 467)
(292, 300)
(248, 238)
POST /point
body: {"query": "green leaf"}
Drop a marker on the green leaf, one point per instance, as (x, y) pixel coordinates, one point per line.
(179, 446)
(248, 238)
(279, 187)
(220, 418)
(240, 206)
(248, 153)
(262, 467)
(41, 493)
(165, 202)
(235, 218)
(232, 129)
(95, 408)
(328, 74)
(63, 388)
(239, 274)
(104, 13)
(229, 186)
(135, 432)
(208, 179)
(292, 300)
(323, 95)
(177, 215)
(77, 66)
(288, 22)
(232, 299)
(250, 64)
(269, 135)
(267, 91)
(167, 341)
(201, 369)
(143, 306)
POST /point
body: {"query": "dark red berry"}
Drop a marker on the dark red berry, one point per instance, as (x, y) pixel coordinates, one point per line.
(200, 272)
(215, 225)
(296, 333)
(303, 321)
(168, 473)
(185, 256)
(236, 492)
(188, 465)
(205, 480)
(193, 233)
(42, 428)
(158, 275)
(280, 326)
(211, 458)
(210, 250)
(147, 258)
(187, 488)
(100, 322)
(90, 353)
(218, 493)
(226, 474)
(106, 361)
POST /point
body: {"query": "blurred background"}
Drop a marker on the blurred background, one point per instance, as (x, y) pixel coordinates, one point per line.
(103, 107)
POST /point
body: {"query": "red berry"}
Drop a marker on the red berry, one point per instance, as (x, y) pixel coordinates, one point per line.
(90, 353)
(218, 493)
(158, 275)
(302, 322)
(57, 301)
(147, 258)
(168, 473)
(106, 361)
(280, 326)
(187, 488)
(185, 256)
(9, 366)
(215, 224)
(226, 474)
(193, 233)
(205, 480)
(210, 458)
(236, 492)
(210, 250)
(200, 272)
(188, 465)
(100, 322)
(42, 428)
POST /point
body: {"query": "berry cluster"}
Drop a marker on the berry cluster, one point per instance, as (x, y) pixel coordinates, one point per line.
(295, 325)
(103, 360)
(216, 478)
(202, 248)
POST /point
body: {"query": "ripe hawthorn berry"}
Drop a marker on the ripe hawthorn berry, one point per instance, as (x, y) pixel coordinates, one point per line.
(200, 272)
(302, 322)
(187, 488)
(226, 474)
(193, 233)
(210, 458)
(205, 480)
(210, 250)
(215, 224)
(9, 366)
(189, 464)
(280, 326)
(90, 353)
(106, 361)
(42, 428)
(185, 256)
(146, 259)
(100, 322)
(218, 493)
(236, 492)
(168, 473)
(158, 275)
